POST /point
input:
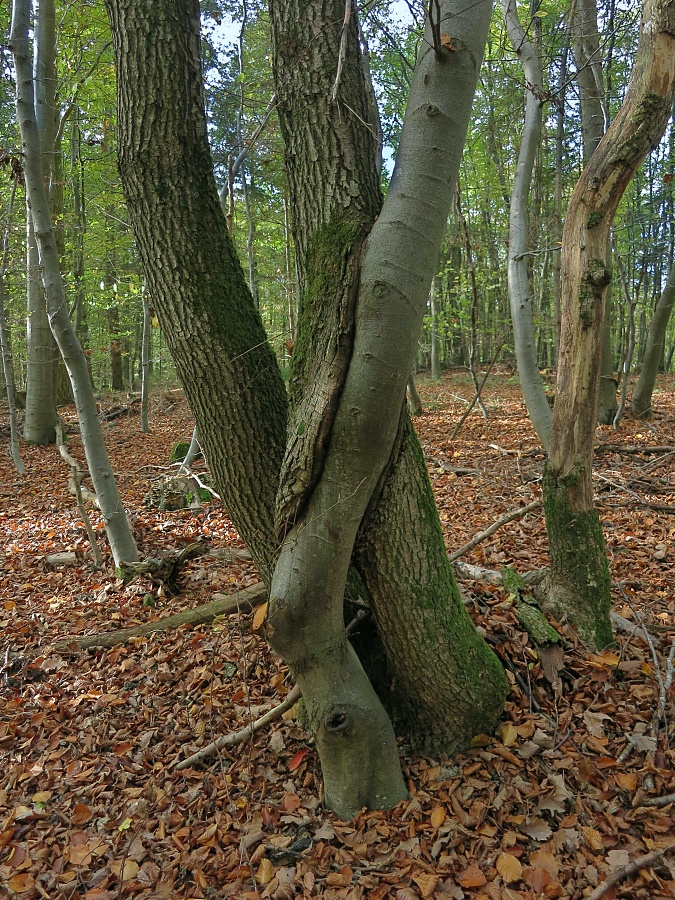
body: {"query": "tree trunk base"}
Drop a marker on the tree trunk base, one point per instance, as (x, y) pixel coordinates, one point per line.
(578, 585)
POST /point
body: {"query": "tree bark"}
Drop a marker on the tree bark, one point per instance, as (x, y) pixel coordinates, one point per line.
(5, 346)
(656, 338)
(114, 515)
(579, 575)
(520, 292)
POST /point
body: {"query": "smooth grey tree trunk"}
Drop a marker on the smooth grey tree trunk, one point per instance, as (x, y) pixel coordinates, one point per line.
(656, 338)
(5, 349)
(40, 418)
(594, 123)
(145, 363)
(520, 293)
(448, 687)
(114, 516)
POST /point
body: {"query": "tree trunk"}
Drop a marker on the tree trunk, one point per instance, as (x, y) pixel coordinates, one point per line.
(40, 419)
(5, 347)
(520, 289)
(579, 573)
(112, 510)
(145, 363)
(594, 123)
(656, 338)
(212, 327)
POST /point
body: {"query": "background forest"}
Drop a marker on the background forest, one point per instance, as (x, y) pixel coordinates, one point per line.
(468, 316)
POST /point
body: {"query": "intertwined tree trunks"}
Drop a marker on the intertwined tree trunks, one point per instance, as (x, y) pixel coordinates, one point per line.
(330, 156)
(364, 293)
(579, 574)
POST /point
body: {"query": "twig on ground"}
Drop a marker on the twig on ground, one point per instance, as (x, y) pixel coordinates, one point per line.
(629, 869)
(238, 737)
(476, 397)
(76, 476)
(503, 520)
(658, 802)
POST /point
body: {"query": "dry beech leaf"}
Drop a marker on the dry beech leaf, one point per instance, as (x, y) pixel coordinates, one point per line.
(21, 883)
(259, 616)
(593, 837)
(545, 860)
(265, 871)
(437, 817)
(81, 814)
(472, 877)
(508, 734)
(124, 869)
(426, 882)
(509, 868)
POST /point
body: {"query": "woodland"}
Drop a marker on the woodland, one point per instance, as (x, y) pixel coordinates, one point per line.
(338, 427)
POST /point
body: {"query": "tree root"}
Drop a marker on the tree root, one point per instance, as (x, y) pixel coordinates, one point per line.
(221, 605)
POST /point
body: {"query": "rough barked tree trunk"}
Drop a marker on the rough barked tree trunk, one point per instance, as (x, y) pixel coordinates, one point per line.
(518, 270)
(114, 516)
(218, 344)
(579, 573)
(656, 338)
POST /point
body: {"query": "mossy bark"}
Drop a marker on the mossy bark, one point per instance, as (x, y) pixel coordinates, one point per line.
(579, 572)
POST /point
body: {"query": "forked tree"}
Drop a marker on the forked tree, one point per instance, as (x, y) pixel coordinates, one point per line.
(329, 489)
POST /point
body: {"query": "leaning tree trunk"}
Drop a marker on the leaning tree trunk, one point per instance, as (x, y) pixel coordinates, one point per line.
(656, 338)
(518, 275)
(579, 573)
(114, 516)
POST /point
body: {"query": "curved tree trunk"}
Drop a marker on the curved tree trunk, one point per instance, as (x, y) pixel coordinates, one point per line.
(353, 395)
(656, 338)
(114, 516)
(579, 573)
(520, 293)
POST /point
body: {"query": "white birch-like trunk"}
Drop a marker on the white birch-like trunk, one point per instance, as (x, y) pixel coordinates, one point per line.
(114, 516)
(520, 295)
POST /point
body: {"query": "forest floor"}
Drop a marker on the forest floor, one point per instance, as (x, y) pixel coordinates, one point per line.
(568, 799)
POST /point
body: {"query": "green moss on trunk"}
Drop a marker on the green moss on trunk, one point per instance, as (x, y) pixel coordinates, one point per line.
(579, 581)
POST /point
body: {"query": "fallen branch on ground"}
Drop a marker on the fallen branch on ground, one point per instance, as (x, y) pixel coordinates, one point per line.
(479, 538)
(221, 605)
(75, 486)
(238, 737)
(627, 870)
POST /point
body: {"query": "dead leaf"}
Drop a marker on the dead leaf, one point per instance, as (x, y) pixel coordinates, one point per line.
(437, 817)
(509, 868)
(21, 883)
(124, 869)
(472, 877)
(426, 881)
(259, 616)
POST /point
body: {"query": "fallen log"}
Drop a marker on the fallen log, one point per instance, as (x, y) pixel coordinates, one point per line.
(221, 605)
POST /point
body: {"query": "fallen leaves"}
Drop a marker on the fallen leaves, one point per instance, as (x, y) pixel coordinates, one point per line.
(92, 808)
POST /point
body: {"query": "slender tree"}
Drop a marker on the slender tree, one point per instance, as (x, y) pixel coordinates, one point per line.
(579, 573)
(114, 516)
